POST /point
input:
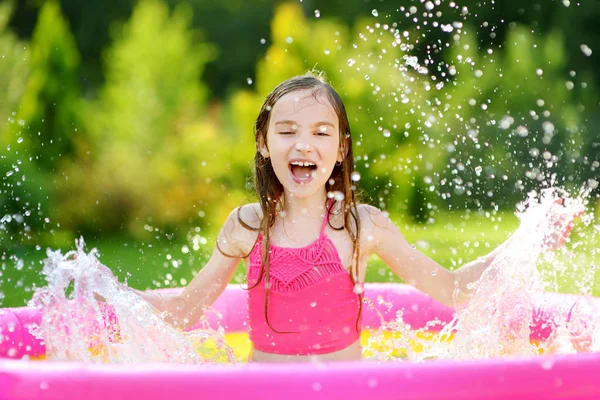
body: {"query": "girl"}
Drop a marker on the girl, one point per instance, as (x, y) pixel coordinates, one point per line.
(307, 241)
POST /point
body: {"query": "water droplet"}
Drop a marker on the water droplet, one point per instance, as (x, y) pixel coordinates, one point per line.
(423, 245)
(313, 304)
(351, 62)
(478, 170)
(20, 140)
(326, 52)
(534, 152)
(506, 122)
(263, 41)
(548, 127)
(289, 39)
(522, 131)
(355, 176)
(586, 50)
(547, 364)
(358, 288)
(317, 14)
(375, 13)
(386, 133)
(249, 80)
(338, 196)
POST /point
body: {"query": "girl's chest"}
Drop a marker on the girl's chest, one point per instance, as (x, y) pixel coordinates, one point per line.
(340, 241)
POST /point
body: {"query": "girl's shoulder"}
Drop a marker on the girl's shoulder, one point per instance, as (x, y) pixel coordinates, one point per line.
(370, 215)
(240, 230)
(373, 222)
(249, 216)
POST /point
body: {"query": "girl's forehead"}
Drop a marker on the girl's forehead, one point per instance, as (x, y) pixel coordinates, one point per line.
(303, 107)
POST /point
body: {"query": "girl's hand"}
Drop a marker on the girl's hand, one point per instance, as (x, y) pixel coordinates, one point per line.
(104, 270)
(562, 225)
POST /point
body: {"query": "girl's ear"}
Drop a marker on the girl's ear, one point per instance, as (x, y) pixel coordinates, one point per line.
(340, 155)
(343, 152)
(262, 146)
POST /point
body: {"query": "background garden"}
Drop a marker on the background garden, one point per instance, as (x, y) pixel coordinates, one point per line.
(129, 123)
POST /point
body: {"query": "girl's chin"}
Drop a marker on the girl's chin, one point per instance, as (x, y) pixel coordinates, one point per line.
(302, 187)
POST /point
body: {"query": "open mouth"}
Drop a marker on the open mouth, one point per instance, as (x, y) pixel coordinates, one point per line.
(302, 171)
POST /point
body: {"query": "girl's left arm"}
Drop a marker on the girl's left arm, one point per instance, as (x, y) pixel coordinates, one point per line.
(430, 277)
(416, 268)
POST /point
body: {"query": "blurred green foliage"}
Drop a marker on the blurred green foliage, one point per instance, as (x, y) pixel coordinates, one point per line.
(150, 153)
(134, 119)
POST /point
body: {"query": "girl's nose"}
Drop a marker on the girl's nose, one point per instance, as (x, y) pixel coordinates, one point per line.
(302, 146)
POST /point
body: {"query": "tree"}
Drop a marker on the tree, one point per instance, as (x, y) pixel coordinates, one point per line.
(49, 106)
(44, 122)
(151, 157)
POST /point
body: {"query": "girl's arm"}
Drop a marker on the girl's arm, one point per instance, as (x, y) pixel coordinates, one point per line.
(406, 262)
(184, 309)
(426, 274)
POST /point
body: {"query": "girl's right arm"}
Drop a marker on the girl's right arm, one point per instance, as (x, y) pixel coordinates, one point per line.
(184, 309)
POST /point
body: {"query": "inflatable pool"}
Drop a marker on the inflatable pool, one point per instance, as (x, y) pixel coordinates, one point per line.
(542, 377)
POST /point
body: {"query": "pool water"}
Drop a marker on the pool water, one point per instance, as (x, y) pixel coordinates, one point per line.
(376, 345)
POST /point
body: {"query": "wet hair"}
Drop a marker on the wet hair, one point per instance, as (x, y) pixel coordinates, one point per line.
(270, 190)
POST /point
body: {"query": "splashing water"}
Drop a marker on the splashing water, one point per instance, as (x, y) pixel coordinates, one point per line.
(76, 326)
(509, 298)
(497, 319)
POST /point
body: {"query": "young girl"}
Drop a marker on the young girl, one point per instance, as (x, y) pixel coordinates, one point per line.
(307, 241)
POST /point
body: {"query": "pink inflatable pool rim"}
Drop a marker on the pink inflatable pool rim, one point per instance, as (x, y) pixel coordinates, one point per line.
(544, 377)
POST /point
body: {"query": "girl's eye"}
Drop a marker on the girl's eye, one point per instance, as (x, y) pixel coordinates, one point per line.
(319, 133)
(286, 133)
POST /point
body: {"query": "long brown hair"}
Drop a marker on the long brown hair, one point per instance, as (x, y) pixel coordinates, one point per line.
(269, 189)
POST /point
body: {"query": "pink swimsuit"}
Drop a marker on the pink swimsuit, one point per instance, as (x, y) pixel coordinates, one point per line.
(312, 303)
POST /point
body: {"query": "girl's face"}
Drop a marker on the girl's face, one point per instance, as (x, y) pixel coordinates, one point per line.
(303, 142)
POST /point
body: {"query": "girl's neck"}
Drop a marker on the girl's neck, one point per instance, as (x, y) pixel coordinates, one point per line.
(298, 209)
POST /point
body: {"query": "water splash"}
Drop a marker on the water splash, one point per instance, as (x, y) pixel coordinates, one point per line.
(123, 329)
(496, 320)
(509, 299)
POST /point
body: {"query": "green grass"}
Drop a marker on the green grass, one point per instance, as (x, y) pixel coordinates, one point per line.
(452, 240)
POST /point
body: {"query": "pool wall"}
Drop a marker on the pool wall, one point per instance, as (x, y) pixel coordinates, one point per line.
(543, 377)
